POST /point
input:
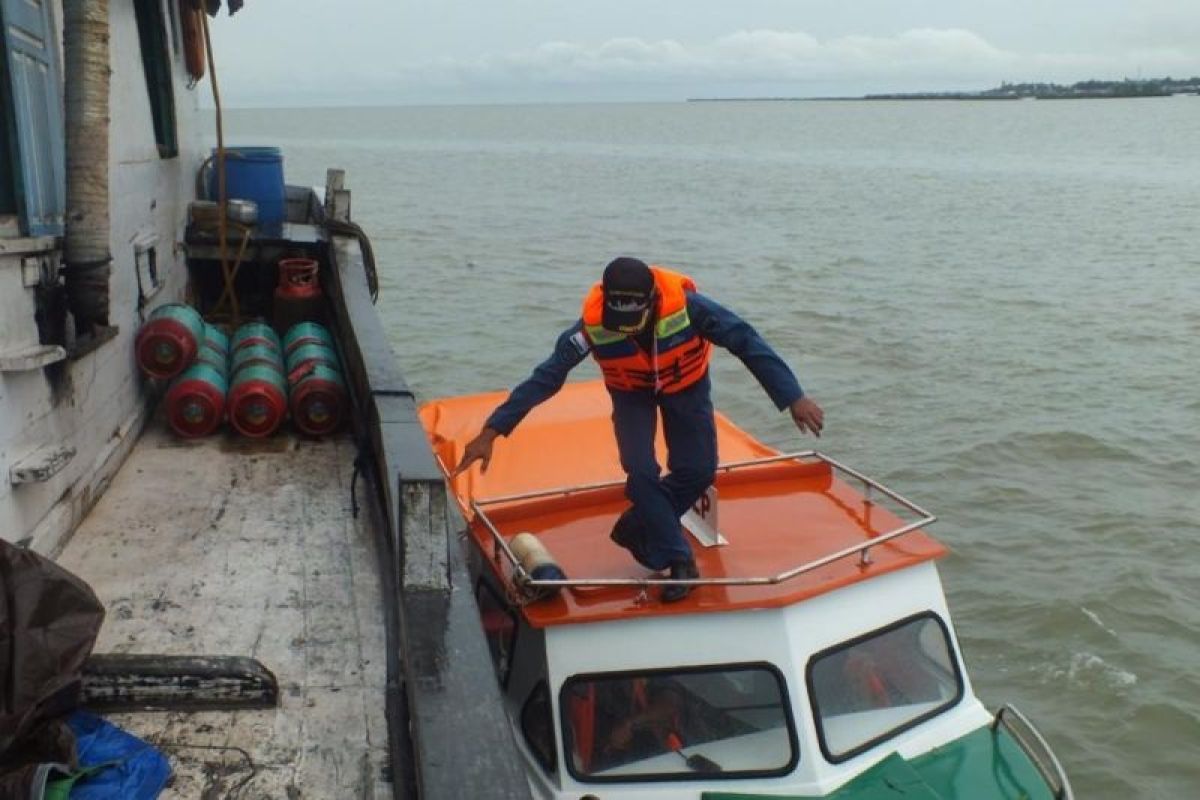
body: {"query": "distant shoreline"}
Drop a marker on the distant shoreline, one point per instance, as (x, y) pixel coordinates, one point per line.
(946, 97)
(1083, 90)
(837, 99)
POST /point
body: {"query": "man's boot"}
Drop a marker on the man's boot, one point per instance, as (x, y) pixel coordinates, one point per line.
(630, 533)
(680, 570)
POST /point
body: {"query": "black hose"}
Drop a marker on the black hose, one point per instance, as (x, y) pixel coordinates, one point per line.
(341, 228)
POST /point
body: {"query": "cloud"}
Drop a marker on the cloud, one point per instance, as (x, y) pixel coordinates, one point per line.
(770, 54)
(787, 51)
(745, 62)
(620, 59)
(948, 54)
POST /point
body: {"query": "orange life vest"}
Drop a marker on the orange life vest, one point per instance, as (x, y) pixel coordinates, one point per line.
(679, 355)
(667, 732)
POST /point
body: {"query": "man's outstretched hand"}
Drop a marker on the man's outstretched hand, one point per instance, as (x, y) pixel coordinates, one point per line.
(478, 449)
(808, 416)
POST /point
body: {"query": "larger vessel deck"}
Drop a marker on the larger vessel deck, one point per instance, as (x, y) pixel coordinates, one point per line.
(229, 546)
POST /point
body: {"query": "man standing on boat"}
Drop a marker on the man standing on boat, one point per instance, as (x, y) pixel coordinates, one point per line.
(652, 333)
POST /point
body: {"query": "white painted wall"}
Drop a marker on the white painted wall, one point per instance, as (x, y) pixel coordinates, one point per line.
(101, 403)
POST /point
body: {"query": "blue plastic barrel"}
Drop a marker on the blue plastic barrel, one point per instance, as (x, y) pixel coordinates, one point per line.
(253, 173)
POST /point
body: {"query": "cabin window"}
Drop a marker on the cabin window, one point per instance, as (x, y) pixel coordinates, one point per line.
(876, 686)
(729, 721)
(156, 61)
(537, 726)
(499, 628)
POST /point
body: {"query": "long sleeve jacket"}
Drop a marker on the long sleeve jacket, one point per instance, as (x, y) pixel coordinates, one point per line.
(713, 321)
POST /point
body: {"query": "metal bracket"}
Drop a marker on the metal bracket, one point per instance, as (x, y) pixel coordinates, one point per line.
(31, 358)
(41, 465)
(701, 520)
(31, 271)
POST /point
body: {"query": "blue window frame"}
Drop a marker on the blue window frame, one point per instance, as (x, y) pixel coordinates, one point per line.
(32, 111)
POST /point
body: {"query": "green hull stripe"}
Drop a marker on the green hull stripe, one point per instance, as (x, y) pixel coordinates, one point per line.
(983, 765)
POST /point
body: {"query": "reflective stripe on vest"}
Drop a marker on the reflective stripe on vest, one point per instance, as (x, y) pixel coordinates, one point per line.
(679, 356)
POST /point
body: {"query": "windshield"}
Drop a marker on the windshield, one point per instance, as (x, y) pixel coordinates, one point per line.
(872, 688)
(718, 721)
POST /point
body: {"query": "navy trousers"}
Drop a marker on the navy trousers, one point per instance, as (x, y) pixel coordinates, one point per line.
(691, 436)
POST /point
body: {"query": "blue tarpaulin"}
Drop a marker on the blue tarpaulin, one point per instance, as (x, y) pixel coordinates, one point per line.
(135, 771)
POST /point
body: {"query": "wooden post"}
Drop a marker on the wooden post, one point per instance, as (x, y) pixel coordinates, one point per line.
(337, 196)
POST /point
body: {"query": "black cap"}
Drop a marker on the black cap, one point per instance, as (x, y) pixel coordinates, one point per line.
(628, 292)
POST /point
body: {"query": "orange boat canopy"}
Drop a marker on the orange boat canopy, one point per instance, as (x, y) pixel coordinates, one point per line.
(775, 516)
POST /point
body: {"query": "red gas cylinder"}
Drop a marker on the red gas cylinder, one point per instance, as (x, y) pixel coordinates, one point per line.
(167, 344)
(298, 278)
(257, 400)
(318, 399)
(255, 333)
(255, 354)
(196, 401)
(298, 296)
(309, 354)
(306, 333)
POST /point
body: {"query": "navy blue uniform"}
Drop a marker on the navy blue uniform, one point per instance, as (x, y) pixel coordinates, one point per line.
(688, 425)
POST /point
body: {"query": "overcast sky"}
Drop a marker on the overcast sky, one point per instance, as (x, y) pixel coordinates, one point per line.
(386, 52)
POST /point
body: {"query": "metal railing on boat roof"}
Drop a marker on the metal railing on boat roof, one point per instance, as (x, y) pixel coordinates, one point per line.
(524, 579)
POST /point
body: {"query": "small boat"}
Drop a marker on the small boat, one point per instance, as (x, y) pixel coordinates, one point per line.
(814, 657)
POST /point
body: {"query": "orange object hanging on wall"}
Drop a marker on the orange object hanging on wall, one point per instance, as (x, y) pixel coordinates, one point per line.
(193, 38)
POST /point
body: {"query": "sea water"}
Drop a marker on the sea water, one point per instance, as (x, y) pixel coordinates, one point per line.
(996, 303)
